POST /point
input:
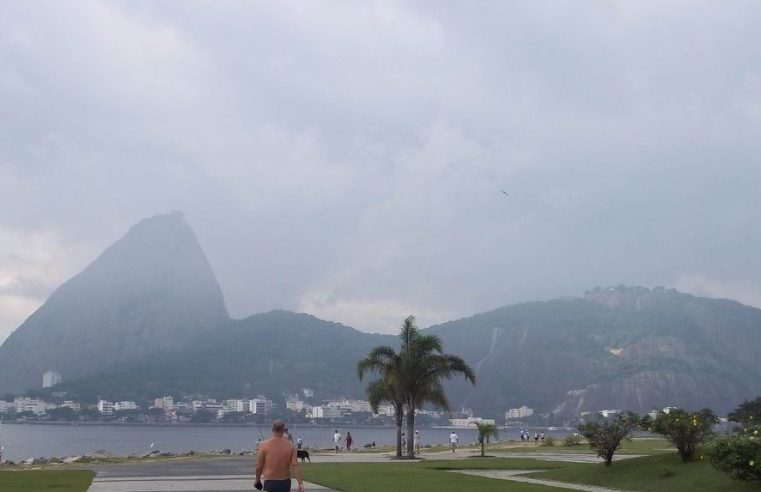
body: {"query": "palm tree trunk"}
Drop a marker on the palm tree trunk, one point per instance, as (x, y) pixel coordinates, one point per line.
(411, 433)
(399, 422)
(482, 448)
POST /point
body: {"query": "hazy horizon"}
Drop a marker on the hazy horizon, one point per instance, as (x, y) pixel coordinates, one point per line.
(347, 159)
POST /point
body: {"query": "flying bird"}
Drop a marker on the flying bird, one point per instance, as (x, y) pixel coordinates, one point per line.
(506, 193)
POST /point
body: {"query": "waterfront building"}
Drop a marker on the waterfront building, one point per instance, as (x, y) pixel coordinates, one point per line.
(519, 413)
(468, 422)
(105, 407)
(261, 405)
(125, 405)
(165, 403)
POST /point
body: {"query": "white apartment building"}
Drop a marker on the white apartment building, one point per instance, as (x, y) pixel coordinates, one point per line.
(74, 405)
(165, 402)
(293, 403)
(308, 392)
(519, 413)
(106, 407)
(386, 410)
(359, 406)
(261, 406)
(609, 413)
(25, 404)
(51, 378)
(326, 412)
(6, 405)
(239, 405)
(125, 405)
(468, 422)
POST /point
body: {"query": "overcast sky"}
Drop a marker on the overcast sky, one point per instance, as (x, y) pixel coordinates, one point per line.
(345, 158)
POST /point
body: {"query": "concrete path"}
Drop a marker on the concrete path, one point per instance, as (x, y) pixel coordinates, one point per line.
(518, 476)
(207, 483)
(203, 475)
(235, 473)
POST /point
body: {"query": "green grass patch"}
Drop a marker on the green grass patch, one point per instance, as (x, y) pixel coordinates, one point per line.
(420, 477)
(664, 471)
(658, 472)
(36, 480)
(635, 446)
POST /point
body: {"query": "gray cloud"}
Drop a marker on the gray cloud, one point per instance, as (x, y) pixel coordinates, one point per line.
(345, 158)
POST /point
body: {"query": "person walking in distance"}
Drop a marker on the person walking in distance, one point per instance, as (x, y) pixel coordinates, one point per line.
(349, 442)
(275, 461)
(453, 441)
(417, 442)
(337, 440)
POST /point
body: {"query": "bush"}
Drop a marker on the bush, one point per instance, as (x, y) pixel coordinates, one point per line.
(606, 437)
(738, 455)
(548, 441)
(685, 430)
(572, 440)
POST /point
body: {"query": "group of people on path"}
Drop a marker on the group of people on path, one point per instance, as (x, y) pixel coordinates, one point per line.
(415, 444)
(337, 441)
(526, 437)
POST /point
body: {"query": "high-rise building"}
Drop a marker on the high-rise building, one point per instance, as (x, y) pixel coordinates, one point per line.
(51, 378)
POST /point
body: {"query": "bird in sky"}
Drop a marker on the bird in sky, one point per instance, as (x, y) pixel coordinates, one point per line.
(506, 193)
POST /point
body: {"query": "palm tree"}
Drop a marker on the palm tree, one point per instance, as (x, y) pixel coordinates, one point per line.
(485, 431)
(385, 362)
(423, 366)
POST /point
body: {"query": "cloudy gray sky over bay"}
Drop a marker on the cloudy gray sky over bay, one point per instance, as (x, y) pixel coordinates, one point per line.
(345, 158)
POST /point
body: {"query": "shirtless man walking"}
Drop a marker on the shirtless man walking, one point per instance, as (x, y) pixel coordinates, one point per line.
(275, 460)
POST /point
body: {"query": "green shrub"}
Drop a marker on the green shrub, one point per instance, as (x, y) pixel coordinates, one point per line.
(685, 430)
(548, 441)
(739, 455)
(572, 440)
(605, 437)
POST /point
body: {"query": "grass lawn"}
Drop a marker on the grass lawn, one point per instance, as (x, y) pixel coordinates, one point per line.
(34, 480)
(662, 471)
(420, 477)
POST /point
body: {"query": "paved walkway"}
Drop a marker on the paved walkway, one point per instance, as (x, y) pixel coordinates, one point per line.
(202, 475)
(203, 483)
(233, 474)
(518, 476)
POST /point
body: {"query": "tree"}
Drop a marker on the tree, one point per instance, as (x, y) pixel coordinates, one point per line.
(386, 363)
(485, 431)
(685, 430)
(423, 366)
(606, 437)
(202, 416)
(62, 414)
(411, 378)
(748, 414)
(739, 453)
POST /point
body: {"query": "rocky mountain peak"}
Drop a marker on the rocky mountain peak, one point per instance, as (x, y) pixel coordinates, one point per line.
(149, 292)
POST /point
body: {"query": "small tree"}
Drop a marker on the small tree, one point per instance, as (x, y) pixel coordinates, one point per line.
(685, 430)
(606, 437)
(740, 453)
(485, 431)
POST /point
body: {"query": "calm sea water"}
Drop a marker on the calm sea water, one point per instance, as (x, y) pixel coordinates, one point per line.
(21, 441)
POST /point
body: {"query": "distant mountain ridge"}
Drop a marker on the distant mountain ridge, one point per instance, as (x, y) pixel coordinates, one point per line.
(150, 292)
(625, 347)
(147, 318)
